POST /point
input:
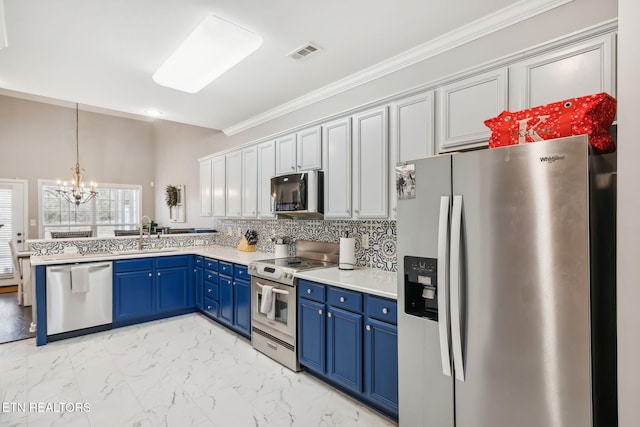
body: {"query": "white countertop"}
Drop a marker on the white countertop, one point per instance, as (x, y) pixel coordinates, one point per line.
(224, 253)
(369, 280)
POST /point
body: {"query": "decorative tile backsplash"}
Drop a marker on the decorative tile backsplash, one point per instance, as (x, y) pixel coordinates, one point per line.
(119, 244)
(381, 253)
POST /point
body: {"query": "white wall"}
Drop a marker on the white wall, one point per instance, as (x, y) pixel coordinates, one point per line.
(558, 22)
(628, 208)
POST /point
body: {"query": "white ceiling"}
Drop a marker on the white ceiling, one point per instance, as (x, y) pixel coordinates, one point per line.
(102, 53)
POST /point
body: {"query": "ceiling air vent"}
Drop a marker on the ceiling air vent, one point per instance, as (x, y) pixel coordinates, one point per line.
(304, 51)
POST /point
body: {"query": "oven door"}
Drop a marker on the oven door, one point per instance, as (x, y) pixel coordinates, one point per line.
(284, 306)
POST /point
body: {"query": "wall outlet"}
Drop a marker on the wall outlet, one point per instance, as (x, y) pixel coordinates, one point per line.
(229, 231)
(239, 232)
(365, 241)
(199, 242)
(70, 250)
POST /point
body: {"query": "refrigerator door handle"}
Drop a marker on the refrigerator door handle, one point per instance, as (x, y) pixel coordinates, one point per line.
(443, 304)
(456, 327)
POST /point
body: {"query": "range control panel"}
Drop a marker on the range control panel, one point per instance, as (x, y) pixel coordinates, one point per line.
(421, 287)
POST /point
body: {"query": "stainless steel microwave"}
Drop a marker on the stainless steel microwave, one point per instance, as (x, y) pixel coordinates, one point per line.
(298, 195)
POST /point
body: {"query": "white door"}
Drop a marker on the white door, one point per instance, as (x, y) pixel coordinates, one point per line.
(286, 154)
(218, 186)
(234, 184)
(205, 188)
(266, 169)
(309, 152)
(13, 217)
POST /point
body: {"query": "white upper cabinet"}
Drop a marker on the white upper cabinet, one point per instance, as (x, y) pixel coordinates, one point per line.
(309, 149)
(301, 151)
(250, 182)
(337, 169)
(234, 185)
(578, 70)
(465, 105)
(411, 135)
(286, 154)
(370, 164)
(218, 186)
(413, 127)
(266, 169)
(205, 188)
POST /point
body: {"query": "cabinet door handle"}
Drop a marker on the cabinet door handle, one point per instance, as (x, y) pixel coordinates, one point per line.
(293, 168)
(308, 291)
(341, 299)
(328, 314)
(368, 327)
(149, 274)
(209, 290)
(208, 307)
(272, 345)
(357, 211)
(346, 211)
(385, 311)
(320, 312)
(195, 271)
(299, 166)
(158, 273)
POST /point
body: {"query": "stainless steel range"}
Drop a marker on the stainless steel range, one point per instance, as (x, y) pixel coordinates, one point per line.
(274, 325)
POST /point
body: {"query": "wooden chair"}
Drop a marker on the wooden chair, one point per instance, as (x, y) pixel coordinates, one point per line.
(17, 270)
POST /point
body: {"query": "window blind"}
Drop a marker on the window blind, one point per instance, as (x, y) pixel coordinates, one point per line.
(6, 231)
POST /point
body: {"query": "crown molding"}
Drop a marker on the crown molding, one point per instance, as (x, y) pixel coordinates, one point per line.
(510, 15)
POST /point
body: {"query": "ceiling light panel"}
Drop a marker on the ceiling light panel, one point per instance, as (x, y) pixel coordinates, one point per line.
(210, 50)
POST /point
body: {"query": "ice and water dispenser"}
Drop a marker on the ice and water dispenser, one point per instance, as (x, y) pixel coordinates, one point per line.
(421, 287)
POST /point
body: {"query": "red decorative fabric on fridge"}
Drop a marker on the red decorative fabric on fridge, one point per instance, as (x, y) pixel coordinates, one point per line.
(591, 115)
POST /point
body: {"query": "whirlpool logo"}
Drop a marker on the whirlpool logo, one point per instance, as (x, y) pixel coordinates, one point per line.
(551, 159)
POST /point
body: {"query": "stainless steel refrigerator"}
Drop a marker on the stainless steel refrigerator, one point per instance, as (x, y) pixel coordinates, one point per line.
(506, 288)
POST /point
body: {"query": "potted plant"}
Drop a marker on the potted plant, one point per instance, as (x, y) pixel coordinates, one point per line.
(171, 196)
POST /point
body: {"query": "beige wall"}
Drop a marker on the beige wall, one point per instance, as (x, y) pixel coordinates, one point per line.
(177, 149)
(628, 208)
(37, 141)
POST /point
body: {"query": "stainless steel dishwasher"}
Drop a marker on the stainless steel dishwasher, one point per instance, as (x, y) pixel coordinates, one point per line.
(79, 296)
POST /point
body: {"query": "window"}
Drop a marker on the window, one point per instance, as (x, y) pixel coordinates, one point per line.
(6, 219)
(116, 207)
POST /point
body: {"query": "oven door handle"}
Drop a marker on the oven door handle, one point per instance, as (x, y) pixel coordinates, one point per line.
(275, 290)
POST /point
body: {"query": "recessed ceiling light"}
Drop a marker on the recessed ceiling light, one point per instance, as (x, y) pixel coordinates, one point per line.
(152, 112)
(211, 49)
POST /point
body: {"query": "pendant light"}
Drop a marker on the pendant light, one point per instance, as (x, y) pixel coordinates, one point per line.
(76, 192)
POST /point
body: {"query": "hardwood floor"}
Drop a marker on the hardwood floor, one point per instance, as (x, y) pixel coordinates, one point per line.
(14, 319)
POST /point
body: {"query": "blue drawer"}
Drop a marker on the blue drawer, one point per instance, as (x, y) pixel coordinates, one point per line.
(211, 290)
(311, 290)
(211, 276)
(133, 265)
(346, 299)
(240, 272)
(211, 264)
(382, 309)
(211, 307)
(172, 261)
(225, 268)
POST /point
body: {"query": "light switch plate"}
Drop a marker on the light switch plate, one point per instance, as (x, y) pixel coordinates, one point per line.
(365, 241)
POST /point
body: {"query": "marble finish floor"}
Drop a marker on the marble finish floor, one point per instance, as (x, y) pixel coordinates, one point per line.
(182, 371)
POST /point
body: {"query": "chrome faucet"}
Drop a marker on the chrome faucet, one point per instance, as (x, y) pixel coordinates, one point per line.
(141, 230)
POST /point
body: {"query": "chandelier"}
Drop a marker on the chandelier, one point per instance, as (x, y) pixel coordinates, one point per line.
(75, 192)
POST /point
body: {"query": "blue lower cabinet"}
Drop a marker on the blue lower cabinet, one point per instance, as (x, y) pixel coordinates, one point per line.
(344, 348)
(133, 295)
(173, 289)
(198, 281)
(226, 299)
(312, 335)
(381, 364)
(227, 294)
(151, 288)
(242, 306)
(350, 340)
